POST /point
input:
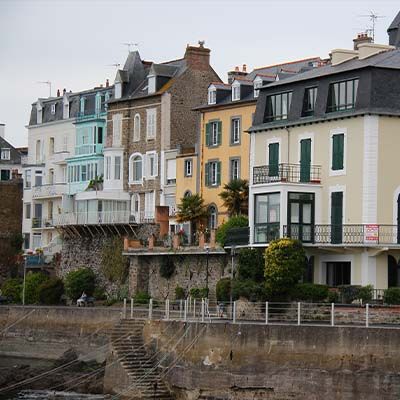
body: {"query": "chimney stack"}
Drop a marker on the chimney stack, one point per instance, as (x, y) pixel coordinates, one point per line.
(244, 69)
(198, 57)
(58, 92)
(107, 83)
(2, 130)
(64, 91)
(361, 38)
(232, 75)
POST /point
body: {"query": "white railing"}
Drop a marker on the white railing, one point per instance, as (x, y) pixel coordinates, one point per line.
(59, 156)
(103, 217)
(29, 160)
(49, 190)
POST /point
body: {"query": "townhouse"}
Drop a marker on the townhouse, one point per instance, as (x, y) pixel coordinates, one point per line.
(322, 165)
(10, 158)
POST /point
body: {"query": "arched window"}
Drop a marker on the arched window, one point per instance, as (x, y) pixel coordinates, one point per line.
(136, 168)
(212, 217)
(136, 128)
(188, 193)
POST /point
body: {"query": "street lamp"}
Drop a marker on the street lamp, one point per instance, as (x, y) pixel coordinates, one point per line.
(233, 253)
(207, 254)
(23, 286)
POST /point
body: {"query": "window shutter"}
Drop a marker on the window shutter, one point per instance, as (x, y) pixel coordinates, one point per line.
(218, 173)
(273, 159)
(208, 134)
(337, 152)
(219, 124)
(207, 174)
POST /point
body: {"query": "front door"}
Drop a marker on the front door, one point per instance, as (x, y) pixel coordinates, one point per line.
(305, 160)
(301, 216)
(336, 217)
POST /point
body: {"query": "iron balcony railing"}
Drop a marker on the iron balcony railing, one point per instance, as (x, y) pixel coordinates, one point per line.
(366, 234)
(100, 114)
(49, 190)
(92, 148)
(291, 173)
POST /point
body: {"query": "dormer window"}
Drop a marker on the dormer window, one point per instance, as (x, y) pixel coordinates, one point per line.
(82, 105)
(278, 106)
(118, 90)
(236, 92)
(39, 114)
(212, 96)
(65, 109)
(310, 95)
(53, 109)
(257, 84)
(151, 84)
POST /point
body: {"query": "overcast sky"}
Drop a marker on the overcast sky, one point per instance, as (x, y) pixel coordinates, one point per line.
(72, 43)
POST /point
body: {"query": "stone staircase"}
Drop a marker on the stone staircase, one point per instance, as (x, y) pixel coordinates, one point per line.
(127, 342)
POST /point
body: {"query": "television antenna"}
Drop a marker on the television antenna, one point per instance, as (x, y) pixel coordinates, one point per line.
(373, 17)
(129, 45)
(116, 65)
(48, 83)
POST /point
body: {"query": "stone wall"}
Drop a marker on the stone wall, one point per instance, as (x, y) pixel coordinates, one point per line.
(190, 272)
(224, 361)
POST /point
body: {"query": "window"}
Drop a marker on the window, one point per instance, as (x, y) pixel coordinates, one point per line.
(152, 164)
(235, 131)
(26, 240)
(51, 146)
(136, 168)
(188, 167)
(5, 154)
(236, 92)
(342, 95)
(310, 96)
(234, 168)
(338, 273)
(136, 128)
(117, 167)
(100, 135)
(151, 84)
(38, 178)
(149, 205)
(212, 217)
(257, 84)
(51, 176)
(98, 102)
(82, 106)
(278, 106)
(214, 133)
(107, 161)
(5, 175)
(212, 96)
(267, 217)
(53, 109)
(117, 128)
(151, 123)
(171, 172)
(188, 193)
(28, 210)
(28, 179)
(135, 204)
(213, 173)
(338, 152)
(83, 173)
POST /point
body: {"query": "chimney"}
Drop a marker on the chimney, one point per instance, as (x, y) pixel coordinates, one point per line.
(58, 92)
(2, 130)
(232, 75)
(198, 57)
(244, 69)
(64, 91)
(361, 38)
(107, 83)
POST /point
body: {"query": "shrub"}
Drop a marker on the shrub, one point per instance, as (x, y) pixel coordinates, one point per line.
(224, 289)
(99, 293)
(392, 295)
(365, 293)
(310, 292)
(179, 293)
(33, 280)
(50, 291)
(78, 281)
(348, 293)
(284, 265)
(248, 289)
(167, 267)
(199, 293)
(114, 265)
(142, 298)
(239, 221)
(333, 296)
(12, 288)
(251, 265)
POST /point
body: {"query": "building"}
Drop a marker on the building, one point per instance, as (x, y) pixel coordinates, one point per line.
(150, 120)
(223, 141)
(322, 168)
(10, 158)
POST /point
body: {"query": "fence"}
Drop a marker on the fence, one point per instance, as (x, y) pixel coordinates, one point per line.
(322, 314)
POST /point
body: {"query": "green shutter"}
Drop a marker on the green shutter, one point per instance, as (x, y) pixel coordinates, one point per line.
(207, 174)
(218, 173)
(273, 159)
(305, 160)
(336, 217)
(337, 151)
(208, 134)
(219, 125)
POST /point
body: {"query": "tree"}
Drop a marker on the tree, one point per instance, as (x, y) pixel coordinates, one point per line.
(33, 281)
(236, 197)
(78, 281)
(191, 209)
(284, 265)
(238, 221)
(251, 265)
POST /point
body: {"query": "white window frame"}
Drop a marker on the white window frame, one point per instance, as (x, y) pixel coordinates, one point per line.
(235, 91)
(213, 168)
(151, 82)
(272, 141)
(149, 206)
(6, 153)
(149, 156)
(214, 133)
(120, 168)
(118, 90)
(231, 161)
(257, 84)
(117, 130)
(53, 109)
(338, 131)
(212, 96)
(136, 128)
(131, 160)
(151, 123)
(233, 120)
(107, 167)
(188, 165)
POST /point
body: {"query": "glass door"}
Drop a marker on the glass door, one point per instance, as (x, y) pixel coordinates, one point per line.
(301, 216)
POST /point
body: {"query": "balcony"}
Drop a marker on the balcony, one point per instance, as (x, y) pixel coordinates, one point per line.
(29, 160)
(372, 234)
(82, 117)
(49, 190)
(93, 148)
(42, 223)
(290, 173)
(59, 157)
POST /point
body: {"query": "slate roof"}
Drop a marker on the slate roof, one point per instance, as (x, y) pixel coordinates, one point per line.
(395, 23)
(15, 155)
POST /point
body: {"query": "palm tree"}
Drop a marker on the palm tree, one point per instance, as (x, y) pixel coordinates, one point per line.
(236, 197)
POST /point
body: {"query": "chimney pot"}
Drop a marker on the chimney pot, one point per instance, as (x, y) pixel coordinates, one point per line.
(236, 69)
(58, 92)
(64, 91)
(244, 68)
(107, 83)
